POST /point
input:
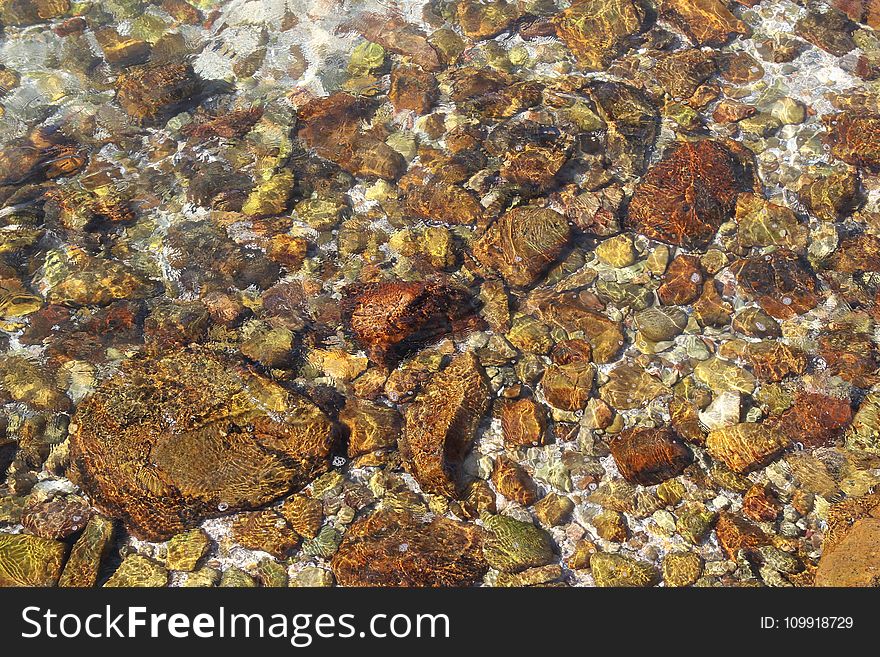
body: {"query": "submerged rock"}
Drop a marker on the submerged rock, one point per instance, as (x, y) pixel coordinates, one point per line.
(649, 456)
(27, 560)
(440, 425)
(190, 435)
(88, 554)
(514, 545)
(396, 549)
(597, 31)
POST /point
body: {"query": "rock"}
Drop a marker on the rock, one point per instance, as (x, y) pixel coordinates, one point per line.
(271, 196)
(761, 504)
(371, 426)
(72, 277)
(27, 560)
(119, 50)
(630, 386)
(857, 254)
(304, 514)
(632, 126)
(617, 251)
(682, 569)
(814, 420)
(412, 89)
(155, 91)
(736, 533)
(393, 318)
(395, 549)
(176, 323)
(830, 30)
(707, 22)
(523, 243)
(396, 35)
(862, 11)
(694, 522)
(31, 12)
(864, 434)
(271, 574)
(191, 435)
(773, 361)
(333, 127)
(659, 324)
(853, 138)
(57, 518)
(514, 546)
(621, 570)
(681, 73)
(568, 385)
(780, 282)
(523, 422)
(187, 549)
(685, 197)
(512, 481)
(855, 560)
(88, 553)
(762, 223)
(236, 578)
(598, 31)
(610, 526)
(553, 510)
(138, 571)
(755, 323)
(649, 456)
(682, 281)
(440, 424)
(711, 309)
(265, 530)
(324, 544)
(724, 411)
(486, 20)
(312, 576)
(570, 313)
(746, 446)
(831, 196)
(437, 200)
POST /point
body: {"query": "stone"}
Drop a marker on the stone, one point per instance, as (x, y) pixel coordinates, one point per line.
(707, 22)
(755, 323)
(773, 360)
(598, 31)
(736, 533)
(441, 423)
(486, 20)
(512, 481)
(191, 435)
(304, 514)
(610, 526)
(830, 196)
(270, 196)
(553, 510)
(56, 518)
(523, 422)
(682, 569)
(187, 549)
(88, 553)
(855, 559)
(649, 456)
(632, 126)
(437, 200)
(371, 426)
(514, 546)
(723, 411)
(569, 385)
(694, 523)
(853, 138)
(864, 433)
(682, 281)
(630, 386)
(31, 12)
(681, 73)
(153, 92)
(659, 324)
(862, 11)
(620, 570)
(617, 251)
(27, 560)
(761, 504)
(746, 446)
(685, 197)
(830, 30)
(269, 346)
(236, 578)
(780, 282)
(72, 277)
(392, 318)
(138, 571)
(265, 530)
(523, 243)
(761, 223)
(412, 89)
(271, 574)
(396, 549)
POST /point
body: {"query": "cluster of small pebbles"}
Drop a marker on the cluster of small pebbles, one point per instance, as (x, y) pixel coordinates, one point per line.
(439, 293)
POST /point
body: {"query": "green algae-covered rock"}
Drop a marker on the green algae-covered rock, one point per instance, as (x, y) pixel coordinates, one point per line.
(186, 549)
(138, 571)
(515, 545)
(619, 570)
(84, 564)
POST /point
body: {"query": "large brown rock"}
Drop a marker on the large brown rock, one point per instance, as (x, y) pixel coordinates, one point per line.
(523, 244)
(171, 441)
(396, 549)
(649, 456)
(855, 561)
(685, 197)
(441, 424)
(781, 283)
(597, 31)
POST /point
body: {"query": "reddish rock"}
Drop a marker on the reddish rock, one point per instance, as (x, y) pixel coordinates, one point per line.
(815, 420)
(685, 197)
(855, 561)
(441, 425)
(523, 422)
(649, 456)
(780, 282)
(855, 138)
(682, 281)
(396, 549)
(736, 533)
(412, 89)
(761, 504)
(707, 22)
(392, 318)
(512, 481)
(773, 361)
